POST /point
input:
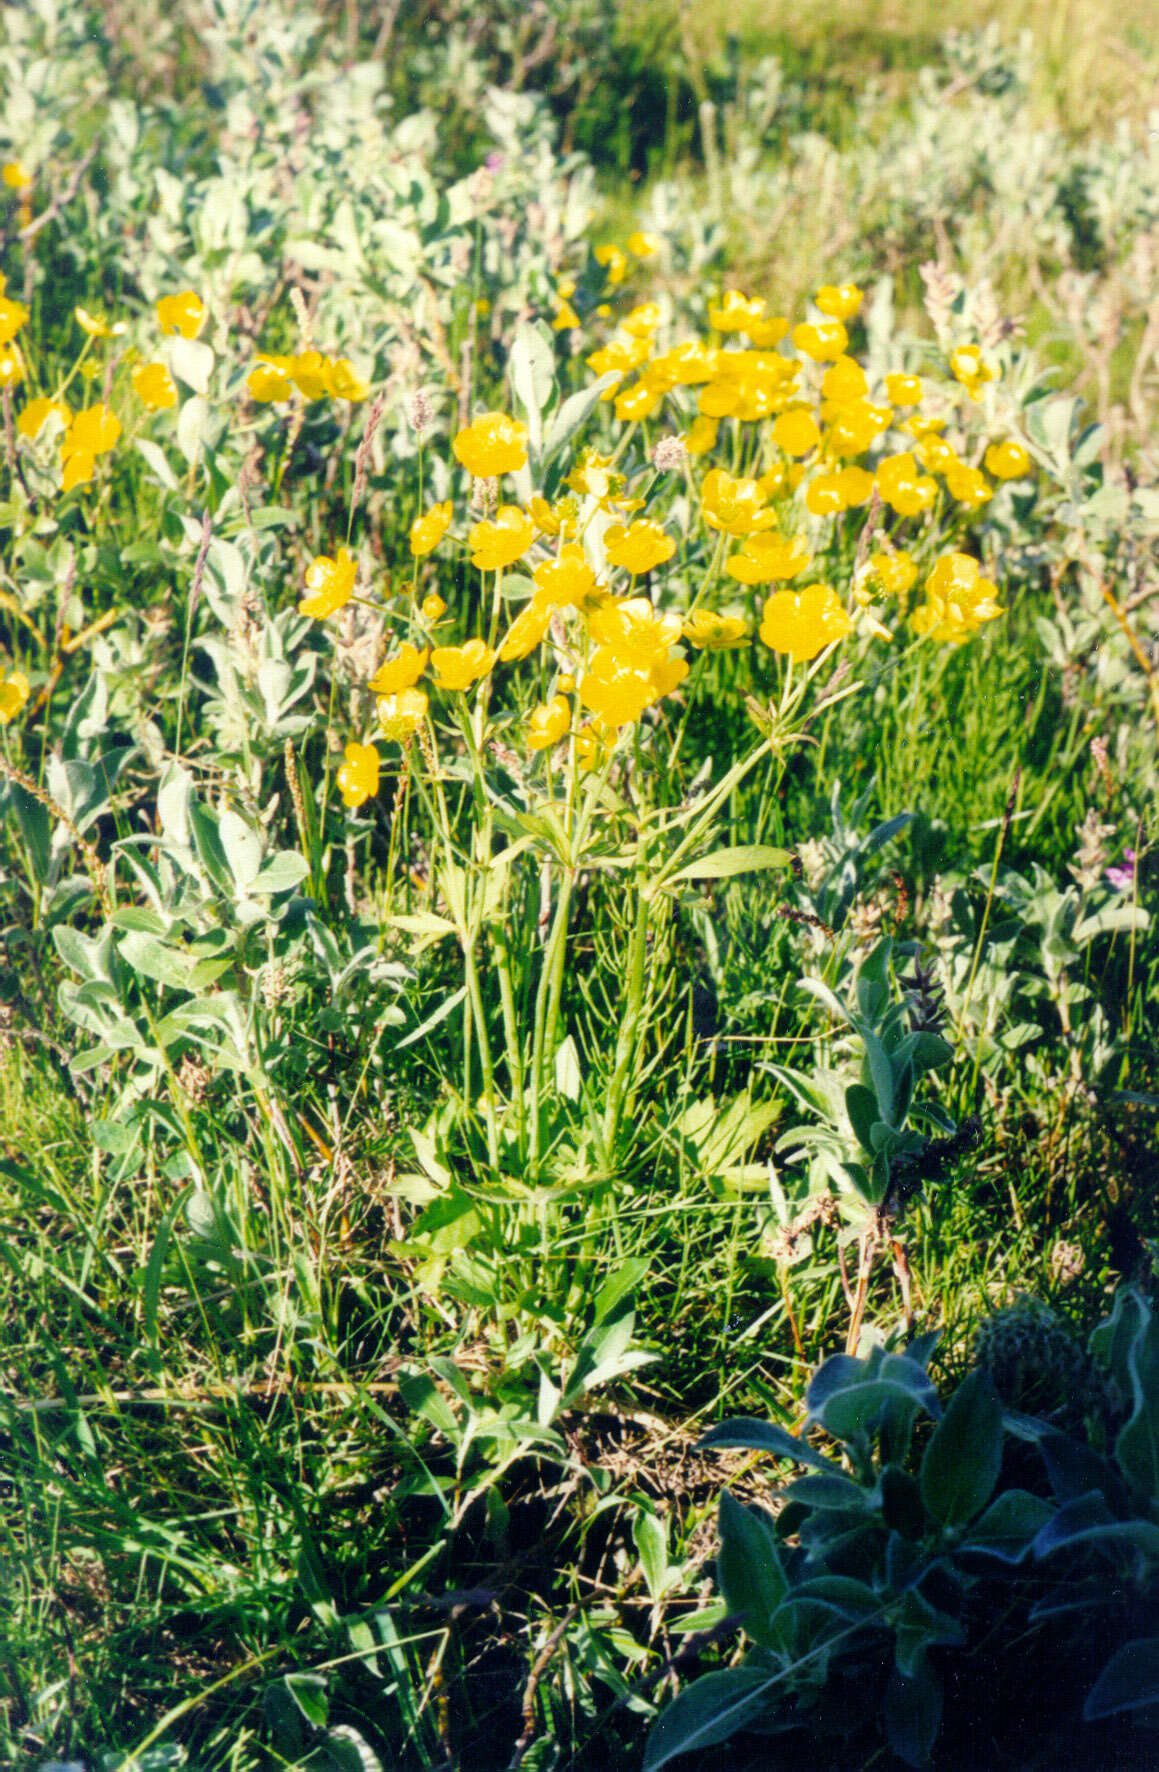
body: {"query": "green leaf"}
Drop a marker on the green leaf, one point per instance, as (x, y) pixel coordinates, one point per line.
(749, 1568)
(722, 864)
(531, 368)
(567, 421)
(765, 1436)
(651, 1541)
(445, 1008)
(962, 1460)
(912, 1712)
(1009, 1526)
(282, 872)
(712, 1709)
(1130, 1680)
(861, 1106)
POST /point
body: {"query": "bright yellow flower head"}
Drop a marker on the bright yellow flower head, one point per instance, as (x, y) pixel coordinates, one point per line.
(185, 313)
(494, 444)
(565, 318)
(14, 692)
(457, 667)
(312, 374)
(716, 633)
(967, 485)
(902, 487)
(903, 390)
(958, 600)
(95, 429)
(427, 531)
(642, 245)
(526, 631)
(824, 496)
(802, 623)
(896, 573)
(11, 366)
(839, 301)
(567, 582)
(796, 431)
(548, 723)
(13, 315)
(844, 380)
(636, 402)
(633, 631)
(330, 583)
(97, 326)
(154, 387)
(345, 383)
(398, 715)
(701, 435)
(1008, 460)
(501, 542)
(766, 557)
(734, 506)
(822, 340)
(269, 380)
(639, 548)
(402, 671)
(432, 607)
(37, 413)
(968, 366)
(15, 175)
(614, 263)
(77, 468)
(737, 312)
(358, 776)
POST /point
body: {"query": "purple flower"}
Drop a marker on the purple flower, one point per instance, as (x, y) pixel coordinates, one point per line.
(494, 161)
(1122, 877)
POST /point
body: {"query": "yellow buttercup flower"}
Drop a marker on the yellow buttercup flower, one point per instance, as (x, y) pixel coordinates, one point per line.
(902, 487)
(312, 374)
(494, 444)
(185, 313)
(14, 692)
(37, 413)
(330, 583)
(269, 380)
(967, 485)
(97, 326)
(13, 315)
(565, 318)
(547, 724)
(1008, 460)
(345, 383)
(958, 600)
(903, 390)
(427, 531)
(358, 777)
(802, 623)
(640, 547)
(736, 312)
(642, 245)
(526, 631)
(432, 607)
(154, 387)
(565, 582)
(15, 175)
(839, 301)
(895, 572)
(402, 671)
(11, 366)
(457, 667)
(822, 340)
(701, 435)
(636, 402)
(501, 542)
(399, 715)
(614, 263)
(91, 433)
(716, 633)
(734, 506)
(796, 431)
(766, 557)
(968, 366)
